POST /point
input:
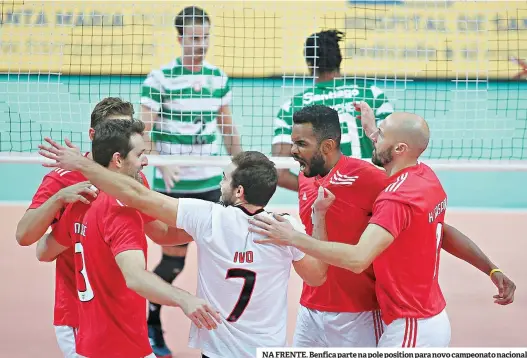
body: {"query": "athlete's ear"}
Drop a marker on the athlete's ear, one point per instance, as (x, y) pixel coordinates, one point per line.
(91, 133)
(328, 145)
(240, 192)
(400, 148)
(117, 160)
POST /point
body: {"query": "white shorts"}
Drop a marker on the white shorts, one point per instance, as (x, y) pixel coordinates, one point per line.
(413, 332)
(320, 329)
(66, 340)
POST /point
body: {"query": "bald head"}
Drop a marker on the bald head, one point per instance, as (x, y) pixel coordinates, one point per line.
(410, 129)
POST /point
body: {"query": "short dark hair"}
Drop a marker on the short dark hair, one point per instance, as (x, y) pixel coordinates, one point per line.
(324, 120)
(110, 106)
(322, 50)
(191, 13)
(258, 176)
(114, 136)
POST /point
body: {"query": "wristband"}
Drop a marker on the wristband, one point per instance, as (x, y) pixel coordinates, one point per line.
(494, 271)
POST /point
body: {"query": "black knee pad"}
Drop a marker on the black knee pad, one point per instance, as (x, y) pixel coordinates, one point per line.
(170, 267)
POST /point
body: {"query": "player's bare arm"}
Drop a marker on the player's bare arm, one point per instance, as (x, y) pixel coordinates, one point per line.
(355, 258)
(165, 235)
(286, 179)
(170, 173)
(120, 186)
(153, 288)
(320, 207)
(35, 222)
(461, 246)
(231, 137)
(367, 117)
(48, 248)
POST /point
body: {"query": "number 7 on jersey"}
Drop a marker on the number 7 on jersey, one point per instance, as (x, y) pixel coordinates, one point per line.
(246, 293)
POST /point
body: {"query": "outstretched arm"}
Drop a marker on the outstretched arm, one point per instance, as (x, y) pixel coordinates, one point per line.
(459, 245)
(355, 258)
(122, 187)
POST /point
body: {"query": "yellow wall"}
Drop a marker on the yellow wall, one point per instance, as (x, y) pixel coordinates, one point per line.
(253, 39)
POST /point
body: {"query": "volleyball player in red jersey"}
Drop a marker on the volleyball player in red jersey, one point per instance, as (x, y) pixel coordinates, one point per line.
(345, 306)
(402, 240)
(59, 188)
(111, 248)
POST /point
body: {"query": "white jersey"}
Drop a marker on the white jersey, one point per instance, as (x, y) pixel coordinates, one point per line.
(246, 282)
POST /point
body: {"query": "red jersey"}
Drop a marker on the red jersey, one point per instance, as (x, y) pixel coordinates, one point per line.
(412, 208)
(65, 310)
(355, 184)
(108, 308)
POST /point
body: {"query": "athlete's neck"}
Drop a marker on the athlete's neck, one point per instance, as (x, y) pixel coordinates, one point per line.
(249, 207)
(192, 63)
(326, 76)
(331, 162)
(394, 168)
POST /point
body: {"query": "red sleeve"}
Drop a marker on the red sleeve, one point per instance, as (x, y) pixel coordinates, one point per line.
(49, 187)
(124, 230)
(61, 230)
(392, 215)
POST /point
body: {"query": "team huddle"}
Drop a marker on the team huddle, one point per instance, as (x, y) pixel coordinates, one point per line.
(367, 245)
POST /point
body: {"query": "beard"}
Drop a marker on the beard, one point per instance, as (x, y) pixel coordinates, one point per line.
(381, 159)
(315, 167)
(226, 200)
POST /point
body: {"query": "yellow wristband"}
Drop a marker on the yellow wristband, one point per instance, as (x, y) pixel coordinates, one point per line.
(494, 271)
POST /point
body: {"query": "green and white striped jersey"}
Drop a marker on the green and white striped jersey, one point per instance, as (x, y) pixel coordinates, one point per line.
(187, 103)
(338, 94)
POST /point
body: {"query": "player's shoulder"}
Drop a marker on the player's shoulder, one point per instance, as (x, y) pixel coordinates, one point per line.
(297, 224)
(214, 70)
(362, 167)
(65, 177)
(411, 183)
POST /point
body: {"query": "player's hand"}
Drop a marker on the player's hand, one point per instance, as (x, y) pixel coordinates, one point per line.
(170, 175)
(278, 230)
(323, 202)
(366, 116)
(201, 313)
(67, 158)
(506, 289)
(83, 191)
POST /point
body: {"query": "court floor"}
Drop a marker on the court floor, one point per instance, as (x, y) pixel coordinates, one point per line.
(26, 294)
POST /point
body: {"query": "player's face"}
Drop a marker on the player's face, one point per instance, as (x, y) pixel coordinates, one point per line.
(195, 40)
(306, 150)
(228, 196)
(382, 152)
(136, 159)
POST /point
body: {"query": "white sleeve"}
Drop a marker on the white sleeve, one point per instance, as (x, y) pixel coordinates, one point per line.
(195, 217)
(296, 253)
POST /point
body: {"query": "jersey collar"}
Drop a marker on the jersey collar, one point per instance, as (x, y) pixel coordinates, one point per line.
(247, 212)
(322, 181)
